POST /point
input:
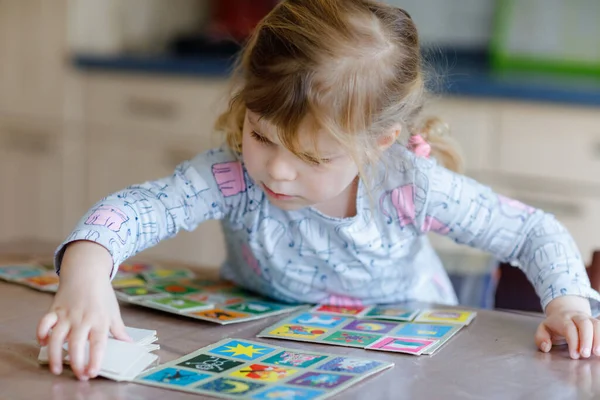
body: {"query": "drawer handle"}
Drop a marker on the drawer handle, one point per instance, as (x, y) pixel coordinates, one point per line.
(175, 157)
(151, 108)
(28, 143)
(558, 208)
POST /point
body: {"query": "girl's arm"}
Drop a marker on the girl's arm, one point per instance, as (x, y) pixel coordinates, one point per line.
(473, 214)
(85, 307)
(142, 215)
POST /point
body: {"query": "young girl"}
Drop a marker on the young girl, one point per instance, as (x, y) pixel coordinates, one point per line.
(326, 190)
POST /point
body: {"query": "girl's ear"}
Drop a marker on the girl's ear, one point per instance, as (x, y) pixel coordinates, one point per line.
(389, 138)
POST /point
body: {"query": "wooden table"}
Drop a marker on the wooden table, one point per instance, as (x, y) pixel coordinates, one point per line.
(494, 358)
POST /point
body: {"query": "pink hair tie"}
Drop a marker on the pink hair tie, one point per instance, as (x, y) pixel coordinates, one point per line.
(419, 146)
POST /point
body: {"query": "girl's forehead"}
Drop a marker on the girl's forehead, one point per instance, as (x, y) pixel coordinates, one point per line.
(309, 136)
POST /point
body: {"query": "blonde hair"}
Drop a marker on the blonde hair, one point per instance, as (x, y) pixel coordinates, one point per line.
(350, 67)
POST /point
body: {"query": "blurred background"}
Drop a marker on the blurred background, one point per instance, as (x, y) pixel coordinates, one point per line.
(96, 95)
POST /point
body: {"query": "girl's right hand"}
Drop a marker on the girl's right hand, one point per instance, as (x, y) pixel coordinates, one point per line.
(84, 308)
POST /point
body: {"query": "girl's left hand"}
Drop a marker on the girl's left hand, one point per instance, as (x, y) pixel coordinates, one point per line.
(570, 317)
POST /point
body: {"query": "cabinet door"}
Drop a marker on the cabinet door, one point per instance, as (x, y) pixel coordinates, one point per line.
(115, 163)
(551, 142)
(471, 125)
(32, 181)
(32, 50)
(142, 103)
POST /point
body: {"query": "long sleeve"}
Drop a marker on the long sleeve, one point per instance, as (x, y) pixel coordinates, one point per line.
(472, 214)
(139, 217)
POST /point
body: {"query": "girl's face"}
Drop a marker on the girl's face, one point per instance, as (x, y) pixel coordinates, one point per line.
(291, 183)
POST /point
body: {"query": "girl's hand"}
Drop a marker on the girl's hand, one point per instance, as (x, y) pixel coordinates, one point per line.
(85, 308)
(569, 317)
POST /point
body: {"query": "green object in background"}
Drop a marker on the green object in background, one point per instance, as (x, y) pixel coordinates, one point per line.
(547, 36)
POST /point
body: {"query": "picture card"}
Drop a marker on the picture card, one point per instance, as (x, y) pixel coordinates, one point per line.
(309, 326)
(238, 368)
(15, 272)
(353, 311)
(449, 316)
(402, 345)
(47, 282)
(391, 313)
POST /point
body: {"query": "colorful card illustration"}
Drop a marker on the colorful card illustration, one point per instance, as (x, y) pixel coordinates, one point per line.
(225, 299)
(350, 365)
(371, 326)
(351, 339)
(256, 307)
(176, 376)
(135, 268)
(402, 345)
(47, 282)
(446, 316)
(264, 373)
(219, 315)
(362, 333)
(426, 330)
(127, 281)
(140, 292)
(295, 359)
(300, 332)
(340, 310)
(318, 320)
(239, 368)
(208, 363)
(391, 313)
(162, 274)
(242, 350)
(176, 304)
(174, 288)
(20, 271)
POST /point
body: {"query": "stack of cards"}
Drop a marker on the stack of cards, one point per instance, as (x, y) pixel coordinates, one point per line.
(234, 368)
(428, 331)
(122, 361)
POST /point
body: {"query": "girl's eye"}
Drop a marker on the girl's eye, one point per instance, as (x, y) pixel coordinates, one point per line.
(260, 138)
(317, 161)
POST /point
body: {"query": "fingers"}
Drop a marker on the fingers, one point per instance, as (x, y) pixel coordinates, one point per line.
(77, 350)
(571, 333)
(55, 346)
(596, 345)
(586, 335)
(98, 338)
(551, 328)
(45, 325)
(118, 330)
(543, 338)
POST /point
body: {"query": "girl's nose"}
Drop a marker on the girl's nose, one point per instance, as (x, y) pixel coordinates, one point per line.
(280, 167)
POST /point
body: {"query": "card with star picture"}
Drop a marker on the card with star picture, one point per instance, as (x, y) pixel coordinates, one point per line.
(240, 368)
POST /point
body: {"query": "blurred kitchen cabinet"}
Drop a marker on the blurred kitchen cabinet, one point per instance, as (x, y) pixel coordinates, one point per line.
(472, 126)
(32, 180)
(117, 159)
(136, 103)
(33, 57)
(550, 142)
